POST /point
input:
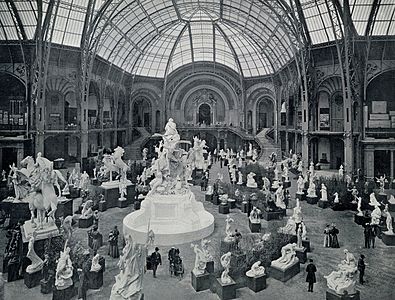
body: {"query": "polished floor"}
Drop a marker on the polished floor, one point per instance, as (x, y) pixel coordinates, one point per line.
(380, 271)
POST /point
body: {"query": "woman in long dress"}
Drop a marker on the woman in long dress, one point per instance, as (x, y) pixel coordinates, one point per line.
(113, 250)
(327, 237)
(333, 234)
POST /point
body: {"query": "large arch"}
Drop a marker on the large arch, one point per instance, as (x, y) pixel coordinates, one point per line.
(145, 102)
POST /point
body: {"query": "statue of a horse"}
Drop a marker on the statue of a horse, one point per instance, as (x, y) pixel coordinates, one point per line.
(114, 163)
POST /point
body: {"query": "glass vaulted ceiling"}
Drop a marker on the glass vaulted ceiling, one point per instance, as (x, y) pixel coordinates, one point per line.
(155, 37)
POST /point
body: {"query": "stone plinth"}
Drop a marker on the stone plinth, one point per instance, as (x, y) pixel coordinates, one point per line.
(75, 192)
(244, 207)
(122, 203)
(360, 220)
(95, 280)
(391, 206)
(232, 203)
(32, 279)
(227, 246)
(136, 205)
(323, 203)
(237, 264)
(18, 211)
(286, 184)
(208, 197)
(257, 283)
(102, 206)
(111, 193)
(215, 199)
(285, 274)
(388, 239)
(224, 208)
(85, 222)
(300, 196)
(331, 295)
(210, 267)
(201, 282)
(226, 291)
(382, 198)
(254, 227)
(272, 215)
(66, 294)
(65, 208)
(312, 200)
(306, 244)
(301, 254)
(46, 286)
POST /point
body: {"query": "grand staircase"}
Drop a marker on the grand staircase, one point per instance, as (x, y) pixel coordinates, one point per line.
(267, 144)
(133, 150)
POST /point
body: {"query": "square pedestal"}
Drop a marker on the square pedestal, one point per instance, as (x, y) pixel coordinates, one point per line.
(65, 208)
(323, 204)
(331, 295)
(257, 284)
(46, 286)
(238, 262)
(391, 206)
(224, 209)
(302, 255)
(286, 274)
(306, 244)
(215, 199)
(102, 206)
(254, 227)
(382, 198)
(360, 220)
(208, 197)
(286, 184)
(85, 223)
(201, 282)
(19, 211)
(95, 280)
(388, 239)
(122, 203)
(244, 207)
(66, 294)
(75, 192)
(226, 291)
(312, 200)
(272, 215)
(32, 279)
(232, 203)
(227, 246)
(300, 196)
(210, 267)
(137, 205)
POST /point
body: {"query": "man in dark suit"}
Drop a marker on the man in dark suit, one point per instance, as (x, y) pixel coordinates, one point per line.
(361, 268)
(311, 269)
(156, 259)
(367, 232)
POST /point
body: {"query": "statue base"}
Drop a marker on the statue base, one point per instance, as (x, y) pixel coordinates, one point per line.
(244, 207)
(175, 219)
(300, 196)
(301, 253)
(312, 200)
(122, 203)
(254, 227)
(286, 184)
(238, 262)
(65, 207)
(66, 294)
(388, 239)
(331, 295)
(208, 198)
(137, 205)
(227, 246)
(48, 230)
(257, 283)
(46, 286)
(210, 267)
(251, 185)
(95, 280)
(226, 291)
(215, 199)
(85, 222)
(224, 208)
(201, 282)
(102, 206)
(382, 198)
(323, 203)
(306, 244)
(285, 274)
(75, 192)
(32, 279)
(272, 215)
(111, 194)
(232, 203)
(391, 206)
(361, 220)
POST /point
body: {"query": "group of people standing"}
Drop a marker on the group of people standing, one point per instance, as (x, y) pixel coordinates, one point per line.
(330, 236)
(370, 233)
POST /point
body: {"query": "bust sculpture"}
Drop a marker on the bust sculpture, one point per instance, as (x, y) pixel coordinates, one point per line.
(225, 262)
(288, 257)
(251, 181)
(64, 270)
(324, 192)
(37, 262)
(224, 199)
(96, 267)
(200, 260)
(87, 211)
(256, 270)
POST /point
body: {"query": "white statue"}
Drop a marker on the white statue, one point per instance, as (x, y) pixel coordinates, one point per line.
(254, 155)
(114, 163)
(391, 199)
(288, 257)
(311, 169)
(37, 262)
(256, 270)
(229, 234)
(3, 173)
(67, 227)
(297, 213)
(64, 270)
(249, 152)
(304, 231)
(94, 173)
(84, 183)
(300, 167)
(171, 136)
(280, 197)
(205, 248)
(324, 192)
(95, 267)
(255, 215)
(87, 211)
(300, 183)
(376, 216)
(275, 174)
(341, 171)
(311, 192)
(210, 190)
(240, 163)
(123, 185)
(285, 173)
(381, 181)
(373, 201)
(224, 199)
(240, 181)
(336, 200)
(299, 233)
(225, 262)
(266, 184)
(360, 213)
(200, 260)
(388, 222)
(144, 153)
(251, 181)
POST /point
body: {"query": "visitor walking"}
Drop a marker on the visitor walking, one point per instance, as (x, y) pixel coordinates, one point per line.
(367, 233)
(361, 268)
(156, 260)
(333, 236)
(373, 233)
(310, 278)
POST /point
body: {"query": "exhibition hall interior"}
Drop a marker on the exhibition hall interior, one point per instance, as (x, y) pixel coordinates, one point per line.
(197, 149)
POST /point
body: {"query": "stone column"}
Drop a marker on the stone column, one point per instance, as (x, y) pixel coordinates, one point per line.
(348, 153)
(19, 155)
(369, 162)
(392, 165)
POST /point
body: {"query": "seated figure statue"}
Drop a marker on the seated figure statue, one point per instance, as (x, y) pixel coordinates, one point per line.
(376, 216)
(288, 257)
(95, 267)
(87, 211)
(341, 282)
(256, 270)
(64, 270)
(251, 181)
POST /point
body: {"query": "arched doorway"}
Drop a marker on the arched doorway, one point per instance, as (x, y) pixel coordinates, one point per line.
(265, 114)
(142, 115)
(337, 153)
(337, 113)
(204, 114)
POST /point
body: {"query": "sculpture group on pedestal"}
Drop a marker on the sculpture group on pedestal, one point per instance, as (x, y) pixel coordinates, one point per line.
(280, 197)
(87, 211)
(255, 215)
(200, 260)
(64, 270)
(388, 221)
(37, 262)
(256, 270)
(225, 263)
(229, 234)
(300, 184)
(251, 181)
(324, 192)
(95, 267)
(288, 257)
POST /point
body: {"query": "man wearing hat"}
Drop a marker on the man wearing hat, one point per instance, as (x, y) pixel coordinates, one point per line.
(361, 268)
(155, 260)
